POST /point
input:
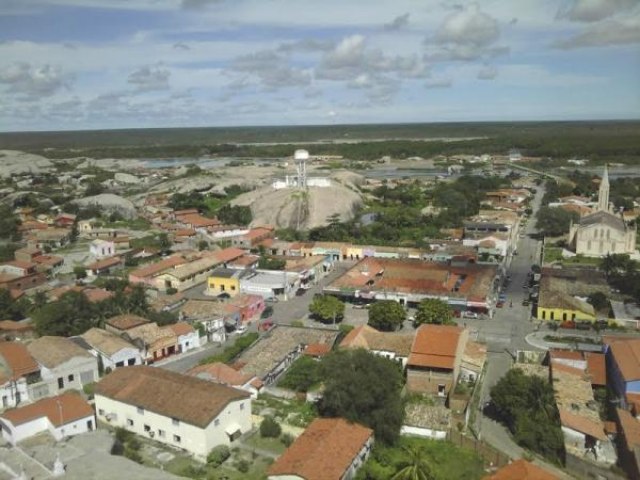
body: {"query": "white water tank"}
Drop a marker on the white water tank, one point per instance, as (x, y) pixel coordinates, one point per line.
(301, 155)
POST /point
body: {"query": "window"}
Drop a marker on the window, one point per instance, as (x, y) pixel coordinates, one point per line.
(70, 378)
(176, 438)
(216, 422)
(119, 364)
(147, 428)
(60, 382)
(441, 390)
(233, 287)
(5, 401)
(18, 397)
(175, 421)
(242, 406)
(129, 422)
(131, 361)
(161, 433)
(101, 412)
(141, 410)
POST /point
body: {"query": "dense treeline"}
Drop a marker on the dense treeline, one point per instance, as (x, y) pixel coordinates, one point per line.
(599, 141)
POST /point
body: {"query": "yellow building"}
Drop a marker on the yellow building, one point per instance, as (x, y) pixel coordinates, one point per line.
(224, 280)
(562, 307)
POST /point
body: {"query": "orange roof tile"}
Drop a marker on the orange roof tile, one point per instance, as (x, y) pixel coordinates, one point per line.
(181, 328)
(228, 254)
(582, 424)
(126, 322)
(324, 451)
(521, 470)
(435, 346)
(220, 373)
(18, 359)
(12, 325)
(317, 349)
(60, 410)
(597, 368)
(626, 353)
(630, 427)
(158, 267)
(104, 263)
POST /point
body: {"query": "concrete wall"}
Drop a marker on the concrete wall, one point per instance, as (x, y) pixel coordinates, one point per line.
(124, 355)
(16, 433)
(72, 373)
(197, 441)
(423, 432)
(12, 393)
(427, 381)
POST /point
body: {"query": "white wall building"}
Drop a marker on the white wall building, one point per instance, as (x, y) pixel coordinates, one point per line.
(188, 337)
(178, 410)
(102, 248)
(113, 350)
(62, 416)
(17, 369)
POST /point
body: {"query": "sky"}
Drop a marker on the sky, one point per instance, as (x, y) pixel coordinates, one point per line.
(99, 64)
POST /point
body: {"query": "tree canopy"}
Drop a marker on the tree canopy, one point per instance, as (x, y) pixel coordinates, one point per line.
(302, 375)
(9, 222)
(554, 222)
(432, 310)
(364, 388)
(526, 405)
(386, 315)
(326, 308)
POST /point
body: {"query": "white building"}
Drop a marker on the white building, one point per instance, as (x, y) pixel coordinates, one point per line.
(102, 248)
(17, 369)
(270, 284)
(62, 416)
(188, 337)
(63, 366)
(113, 350)
(178, 410)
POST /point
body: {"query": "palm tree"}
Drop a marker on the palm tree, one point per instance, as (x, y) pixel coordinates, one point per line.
(415, 467)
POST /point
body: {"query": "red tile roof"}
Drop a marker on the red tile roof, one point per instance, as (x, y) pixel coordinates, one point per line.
(582, 424)
(104, 263)
(18, 359)
(435, 346)
(220, 373)
(158, 267)
(126, 322)
(60, 410)
(597, 368)
(521, 470)
(317, 349)
(181, 328)
(324, 451)
(626, 354)
(630, 427)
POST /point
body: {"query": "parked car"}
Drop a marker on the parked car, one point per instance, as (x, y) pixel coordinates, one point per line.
(240, 330)
(300, 292)
(500, 304)
(267, 312)
(568, 324)
(468, 314)
(525, 303)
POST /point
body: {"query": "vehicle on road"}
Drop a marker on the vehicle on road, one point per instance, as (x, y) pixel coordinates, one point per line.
(468, 314)
(500, 304)
(240, 330)
(267, 312)
(300, 292)
(525, 303)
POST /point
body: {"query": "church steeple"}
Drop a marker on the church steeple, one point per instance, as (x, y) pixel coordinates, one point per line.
(603, 193)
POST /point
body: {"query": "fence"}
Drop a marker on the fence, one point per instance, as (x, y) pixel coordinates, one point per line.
(489, 454)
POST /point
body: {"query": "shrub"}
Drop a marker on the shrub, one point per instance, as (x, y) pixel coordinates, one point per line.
(123, 435)
(218, 455)
(172, 291)
(269, 428)
(243, 466)
(132, 454)
(286, 439)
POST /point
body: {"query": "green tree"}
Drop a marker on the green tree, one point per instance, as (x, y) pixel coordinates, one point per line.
(163, 241)
(326, 308)
(302, 375)
(432, 310)
(72, 314)
(599, 300)
(80, 272)
(415, 467)
(364, 388)
(553, 222)
(386, 315)
(9, 222)
(269, 428)
(93, 188)
(270, 263)
(203, 245)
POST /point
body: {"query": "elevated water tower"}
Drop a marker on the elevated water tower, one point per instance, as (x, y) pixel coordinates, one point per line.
(300, 158)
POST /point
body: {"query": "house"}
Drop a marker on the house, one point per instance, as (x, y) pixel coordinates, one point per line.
(112, 350)
(270, 284)
(435, 359)
(394, 346)
(154, 342)
(147, 275)
(27, 254)
(429, 421)
(122, 323)
(64, 220)
(521, 470)
(221, 373)
(591, 364)
(179, 410)
(252, 237)
(623, 362)
(17, 369)
(102, 248)
(63, 366)
(628, 442)
(105, 266)
(52, 237)
(224, 280)
(62, 416)
(16, 330)
(329, 449)
(188, 337)
(212, 315)
(250, 306)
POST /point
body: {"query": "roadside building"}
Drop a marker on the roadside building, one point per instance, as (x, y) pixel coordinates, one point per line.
(17, 369)
(62, 416)
(623, 362)
(188, 337)
(628, 442)
(435, 359)
(178, 410)
(270, 284)
(393, 346)
(102, 248)
(212, 315)
(113, 351)
(329, 449)
(224, 280)
(105, 266)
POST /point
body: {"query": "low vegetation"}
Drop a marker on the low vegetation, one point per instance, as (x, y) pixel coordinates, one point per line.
(232, 351)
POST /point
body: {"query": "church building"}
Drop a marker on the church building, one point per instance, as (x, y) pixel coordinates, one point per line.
(603, 232)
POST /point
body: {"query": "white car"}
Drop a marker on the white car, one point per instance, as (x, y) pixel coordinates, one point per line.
(470, 315)
(241, 329)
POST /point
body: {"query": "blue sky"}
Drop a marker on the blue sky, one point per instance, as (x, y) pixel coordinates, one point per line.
(87, 64)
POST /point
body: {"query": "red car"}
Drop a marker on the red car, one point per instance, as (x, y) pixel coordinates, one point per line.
(500, 304)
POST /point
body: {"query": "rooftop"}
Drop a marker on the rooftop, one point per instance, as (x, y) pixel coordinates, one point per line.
(521, 470)
(369, 338)
(126, 321)
(104, 341)
(324, 451)
(17, 359)
(53, 351)
(220, 373)
(60, 410)
(154, 389)
(435, 346)
(626, 353)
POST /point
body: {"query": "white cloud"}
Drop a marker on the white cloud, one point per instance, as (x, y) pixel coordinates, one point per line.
(438, 83)
(467, 34)
(606, 33)
(594, 10)
(33, 81)
(272, 69)
(149, 78)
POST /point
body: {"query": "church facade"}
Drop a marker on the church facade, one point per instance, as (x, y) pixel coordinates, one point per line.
(602, 232)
